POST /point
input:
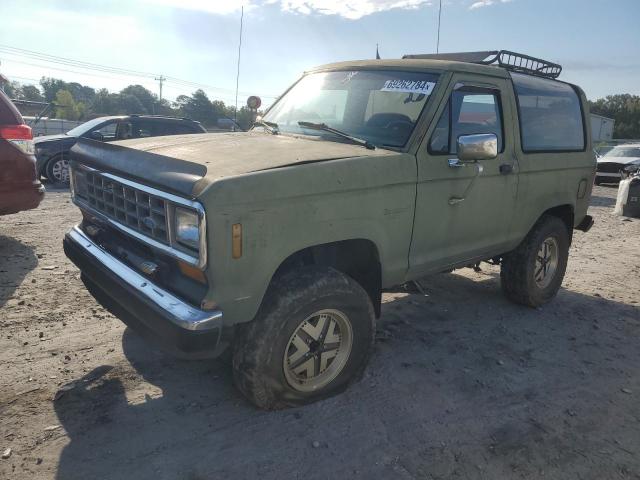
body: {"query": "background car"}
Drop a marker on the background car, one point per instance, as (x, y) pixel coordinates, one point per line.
(611, 164)
(19, 186)
(52, 151)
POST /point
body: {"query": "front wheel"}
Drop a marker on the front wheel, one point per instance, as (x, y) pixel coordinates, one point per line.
(311, 338)
(58, 171)
(532, 274)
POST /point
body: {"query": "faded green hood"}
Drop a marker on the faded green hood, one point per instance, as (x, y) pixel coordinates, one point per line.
(187, 164)
(228, 154)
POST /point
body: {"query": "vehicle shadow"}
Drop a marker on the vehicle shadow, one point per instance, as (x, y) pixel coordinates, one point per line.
(598, 201)
(16, 261)
(54, 187)
(462, 384)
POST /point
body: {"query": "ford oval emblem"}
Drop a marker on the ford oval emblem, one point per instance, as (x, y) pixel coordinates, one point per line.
(149, 222)
(148, 267)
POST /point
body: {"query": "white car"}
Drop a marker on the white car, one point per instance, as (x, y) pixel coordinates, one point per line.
(611, 164)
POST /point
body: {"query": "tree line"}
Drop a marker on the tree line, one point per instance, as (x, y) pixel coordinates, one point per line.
(625, 109)
(74, 101)
(79, 102)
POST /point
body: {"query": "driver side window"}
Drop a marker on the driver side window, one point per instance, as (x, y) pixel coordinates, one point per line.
(107, 131)
(469, 111)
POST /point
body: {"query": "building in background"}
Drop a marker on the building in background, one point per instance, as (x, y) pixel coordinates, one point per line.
(50, 126)
(601, 128)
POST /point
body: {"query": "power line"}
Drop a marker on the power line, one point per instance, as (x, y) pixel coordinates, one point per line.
(70, 62)
(104, 69)
(67, 70)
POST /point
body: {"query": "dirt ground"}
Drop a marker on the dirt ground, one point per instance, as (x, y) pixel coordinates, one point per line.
(462, 384)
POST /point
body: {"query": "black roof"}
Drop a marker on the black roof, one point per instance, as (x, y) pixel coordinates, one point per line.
(161, 117)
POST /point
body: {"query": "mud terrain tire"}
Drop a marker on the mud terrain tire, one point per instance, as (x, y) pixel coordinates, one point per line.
(519, 271)
(261, 350)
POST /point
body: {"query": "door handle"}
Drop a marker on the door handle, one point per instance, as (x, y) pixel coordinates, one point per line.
(456, 200)
(455, 163)
(506, 168)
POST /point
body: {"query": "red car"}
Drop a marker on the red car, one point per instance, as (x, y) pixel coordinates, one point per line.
(19, 187)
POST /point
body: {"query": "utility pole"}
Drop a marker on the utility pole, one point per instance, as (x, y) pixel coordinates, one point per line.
(439, 16)
(235, 113)
(160, 79)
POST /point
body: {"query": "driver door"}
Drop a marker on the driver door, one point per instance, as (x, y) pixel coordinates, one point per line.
(464, 212)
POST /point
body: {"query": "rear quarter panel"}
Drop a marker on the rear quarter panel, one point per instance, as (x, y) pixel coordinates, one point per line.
(285, 210)
(551, 179)
(19, 189)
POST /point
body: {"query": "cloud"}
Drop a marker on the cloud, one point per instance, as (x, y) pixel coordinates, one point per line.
(350, 9)
(486, 3)
(219, 7)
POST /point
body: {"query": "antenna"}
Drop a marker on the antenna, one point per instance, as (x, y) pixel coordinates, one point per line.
(439, 17)
(235, 113)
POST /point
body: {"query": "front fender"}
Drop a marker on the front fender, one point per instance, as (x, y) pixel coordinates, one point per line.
(283, 211)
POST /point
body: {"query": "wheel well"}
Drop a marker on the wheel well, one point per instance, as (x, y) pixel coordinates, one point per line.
(357, 258)
(564, 213)
(53, 157)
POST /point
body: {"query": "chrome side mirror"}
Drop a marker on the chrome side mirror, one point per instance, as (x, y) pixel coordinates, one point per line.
(482, 146)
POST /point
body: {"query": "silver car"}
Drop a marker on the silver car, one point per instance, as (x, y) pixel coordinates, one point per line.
(612, 163)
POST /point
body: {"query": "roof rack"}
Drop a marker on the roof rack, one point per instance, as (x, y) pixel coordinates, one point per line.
(516, 62)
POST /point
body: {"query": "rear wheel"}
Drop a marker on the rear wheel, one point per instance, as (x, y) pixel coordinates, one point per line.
(311, 338)
(58, 170)
(532, 274)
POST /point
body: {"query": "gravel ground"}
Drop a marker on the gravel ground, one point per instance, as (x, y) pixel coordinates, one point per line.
(462, 384)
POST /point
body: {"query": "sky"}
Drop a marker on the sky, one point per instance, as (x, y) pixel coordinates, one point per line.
(596, 41)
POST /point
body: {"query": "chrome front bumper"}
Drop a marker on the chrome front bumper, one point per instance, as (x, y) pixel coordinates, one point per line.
(175, 310)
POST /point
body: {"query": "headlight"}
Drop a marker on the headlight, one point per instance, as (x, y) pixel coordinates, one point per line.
(187, 228)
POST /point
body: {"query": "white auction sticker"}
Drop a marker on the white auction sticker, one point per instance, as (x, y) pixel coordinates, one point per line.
(408, 86)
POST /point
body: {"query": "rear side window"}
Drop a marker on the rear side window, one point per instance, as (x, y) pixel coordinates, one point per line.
(183, 128)
(154, 128)
(550, 115)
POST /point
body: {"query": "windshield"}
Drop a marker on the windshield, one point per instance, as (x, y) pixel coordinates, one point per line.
(624, 152)
(379, 106)
(85, 127)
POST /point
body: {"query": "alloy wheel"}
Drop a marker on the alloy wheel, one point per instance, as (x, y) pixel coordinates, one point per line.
(60, 171)
(546, 262)
(318, 350)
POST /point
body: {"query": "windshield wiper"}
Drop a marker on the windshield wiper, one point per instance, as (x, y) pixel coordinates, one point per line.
(272, 127)
(323, 126)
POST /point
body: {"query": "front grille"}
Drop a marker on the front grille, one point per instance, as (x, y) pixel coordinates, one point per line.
(138, 210)
(609, 167)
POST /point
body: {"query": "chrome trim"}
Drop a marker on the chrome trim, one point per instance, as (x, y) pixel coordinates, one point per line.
(200, 261)
(180, 313)
(480, 146)
(143, 238)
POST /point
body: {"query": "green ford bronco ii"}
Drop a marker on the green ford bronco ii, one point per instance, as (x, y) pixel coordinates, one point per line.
(277, 243)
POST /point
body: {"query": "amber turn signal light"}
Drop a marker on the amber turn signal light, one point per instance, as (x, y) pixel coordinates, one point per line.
(192, 272)
(236, 240)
